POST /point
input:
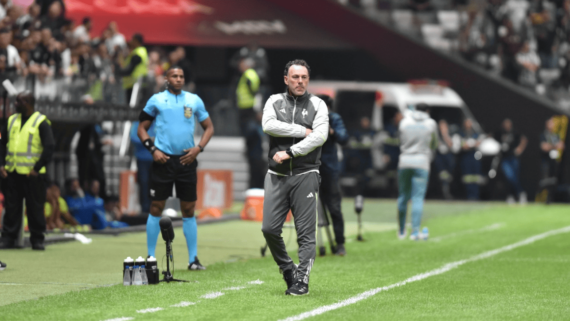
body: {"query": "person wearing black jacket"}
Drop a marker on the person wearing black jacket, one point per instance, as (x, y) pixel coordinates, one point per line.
(330, 171)
(24, 172)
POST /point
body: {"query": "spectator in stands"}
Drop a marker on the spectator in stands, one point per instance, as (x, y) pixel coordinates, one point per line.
(115, 41)
(528, 64)
(513, 145)
(54, 19)
(177, 57)
(542, 16)
(46, 6)
(550, 148)
(510, 44)
(27, 19)
(470, 160)
(135, 66)
(9, 52)
(4, 6)
(104, 67)
(144, 163)
(444, 162)
(156, 69)
(81, 32)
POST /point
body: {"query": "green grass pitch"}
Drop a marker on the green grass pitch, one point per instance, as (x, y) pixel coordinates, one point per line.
(73, 281)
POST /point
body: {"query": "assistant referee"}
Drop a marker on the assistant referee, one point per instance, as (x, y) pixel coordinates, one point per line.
(174, 111)
(298, 125)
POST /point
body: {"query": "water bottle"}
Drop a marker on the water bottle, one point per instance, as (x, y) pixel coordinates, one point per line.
(128, 266)
(152, 270)
(137, 278)
(143, 274)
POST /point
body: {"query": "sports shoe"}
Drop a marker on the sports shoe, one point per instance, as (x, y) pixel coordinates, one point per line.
(298, 289)
(7, 243)
(38, 246)
(2, 266)
(196, 265)
(424, 235)
(340, 250)
(522, 198)
(289, 275)
(415, 236)
(402, 236)
(510, 200)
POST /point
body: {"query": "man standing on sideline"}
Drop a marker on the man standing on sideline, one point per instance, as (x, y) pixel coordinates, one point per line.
(246, 90)
(513, 145)
(469, 161)
(26, 148)
(418, 141)
(144, 164)
(298, 125)
(175, 112)
(330, 171)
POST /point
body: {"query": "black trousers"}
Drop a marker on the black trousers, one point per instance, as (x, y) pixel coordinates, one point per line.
(33, 189)
(330, 195)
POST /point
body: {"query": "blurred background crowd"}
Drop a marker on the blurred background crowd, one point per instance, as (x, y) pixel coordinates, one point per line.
(526, 42)
(64, 62)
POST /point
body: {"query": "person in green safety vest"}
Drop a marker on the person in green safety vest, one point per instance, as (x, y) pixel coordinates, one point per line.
(26, 148)
(135, 65)
(247, 89)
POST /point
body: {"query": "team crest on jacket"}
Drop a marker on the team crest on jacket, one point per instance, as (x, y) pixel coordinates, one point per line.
(187, 111)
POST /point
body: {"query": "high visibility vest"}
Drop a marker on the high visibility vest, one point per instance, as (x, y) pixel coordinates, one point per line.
(24, 144)
(140, 70)
(245, 95)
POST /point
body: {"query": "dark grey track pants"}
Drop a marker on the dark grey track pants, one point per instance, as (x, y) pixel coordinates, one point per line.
(300, 195)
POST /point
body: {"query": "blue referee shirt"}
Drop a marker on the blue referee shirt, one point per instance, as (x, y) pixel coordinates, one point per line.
(175, 116)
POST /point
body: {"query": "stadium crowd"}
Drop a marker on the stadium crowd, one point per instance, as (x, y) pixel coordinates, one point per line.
(525, 41)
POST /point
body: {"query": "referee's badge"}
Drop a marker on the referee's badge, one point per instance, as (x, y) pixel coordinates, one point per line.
(187, 111)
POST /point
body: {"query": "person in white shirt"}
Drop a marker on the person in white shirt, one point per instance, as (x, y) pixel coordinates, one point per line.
(418, 141)
(81, 33)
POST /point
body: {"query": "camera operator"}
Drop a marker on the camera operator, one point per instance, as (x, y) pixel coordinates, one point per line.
(329, 170)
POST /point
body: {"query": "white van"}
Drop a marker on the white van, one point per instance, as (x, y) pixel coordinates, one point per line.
(379, 102)
(364, 99)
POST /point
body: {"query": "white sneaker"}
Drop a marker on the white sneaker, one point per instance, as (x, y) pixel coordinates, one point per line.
(402, 236)
(424, 235)
(522, 198)
(510, 200)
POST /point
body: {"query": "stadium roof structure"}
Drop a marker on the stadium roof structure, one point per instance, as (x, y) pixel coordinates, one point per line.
(204, 23)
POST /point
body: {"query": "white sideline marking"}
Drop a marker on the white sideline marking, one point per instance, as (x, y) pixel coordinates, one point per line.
(447, 267)
(150, 310)
(256, 282)
(182, 304)
(212, 295)
(121, 319)
(491, 227)
(235, 288)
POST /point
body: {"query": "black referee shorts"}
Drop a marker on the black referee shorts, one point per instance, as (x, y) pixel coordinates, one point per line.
(184, 178)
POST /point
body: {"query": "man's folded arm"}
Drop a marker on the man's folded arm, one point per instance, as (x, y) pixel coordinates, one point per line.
(277, 128)
(319, 135)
